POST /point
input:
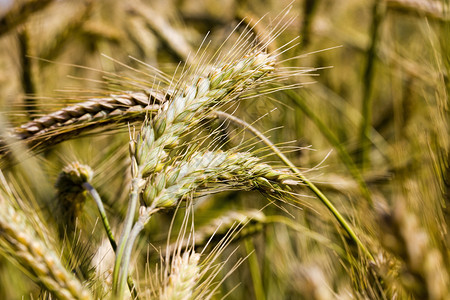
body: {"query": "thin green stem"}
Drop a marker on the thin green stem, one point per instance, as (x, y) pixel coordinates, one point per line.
(136, 230)
(125, 262)
(101, 209)
(254, 270)
(128, 224)
(342, 152)
(94, 194)
(299, 174)
(369, 72)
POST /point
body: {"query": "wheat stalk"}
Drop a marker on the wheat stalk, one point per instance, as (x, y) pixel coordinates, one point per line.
(20, 242)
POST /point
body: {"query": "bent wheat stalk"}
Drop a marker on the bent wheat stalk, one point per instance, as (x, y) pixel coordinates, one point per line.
(302, 177)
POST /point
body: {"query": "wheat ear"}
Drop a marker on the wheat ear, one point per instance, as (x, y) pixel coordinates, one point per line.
(174, 182)
(70, 121)
(70, 196)
(20, 242)
(175, 117)
(423, 274)
(183, 276)
(430, 8)
(218, 167)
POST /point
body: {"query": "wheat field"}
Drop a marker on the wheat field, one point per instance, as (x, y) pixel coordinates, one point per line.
(224, 149)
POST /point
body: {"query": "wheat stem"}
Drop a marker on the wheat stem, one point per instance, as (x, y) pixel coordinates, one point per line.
(255, 271)
(137, 228)
(101, 209)
(128, 224)
(94, 194)
(378, 10)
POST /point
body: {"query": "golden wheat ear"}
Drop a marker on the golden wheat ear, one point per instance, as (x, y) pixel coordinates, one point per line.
(71, 196)
(20, 242)
(72, 121)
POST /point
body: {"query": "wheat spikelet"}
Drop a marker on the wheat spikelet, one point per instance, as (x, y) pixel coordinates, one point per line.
(183, 277)
(20, 242)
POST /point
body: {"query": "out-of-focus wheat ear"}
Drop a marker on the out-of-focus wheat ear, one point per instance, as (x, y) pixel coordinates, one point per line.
(165, 31)
(71, 196)
(19, 13)
(20, 243)
(67, 33)
(245, 223)
(313, 284)
(423, 274)
(429, 8)
(183, 277)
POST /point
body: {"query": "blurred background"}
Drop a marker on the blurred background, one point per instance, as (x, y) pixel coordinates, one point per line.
(370, 126)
